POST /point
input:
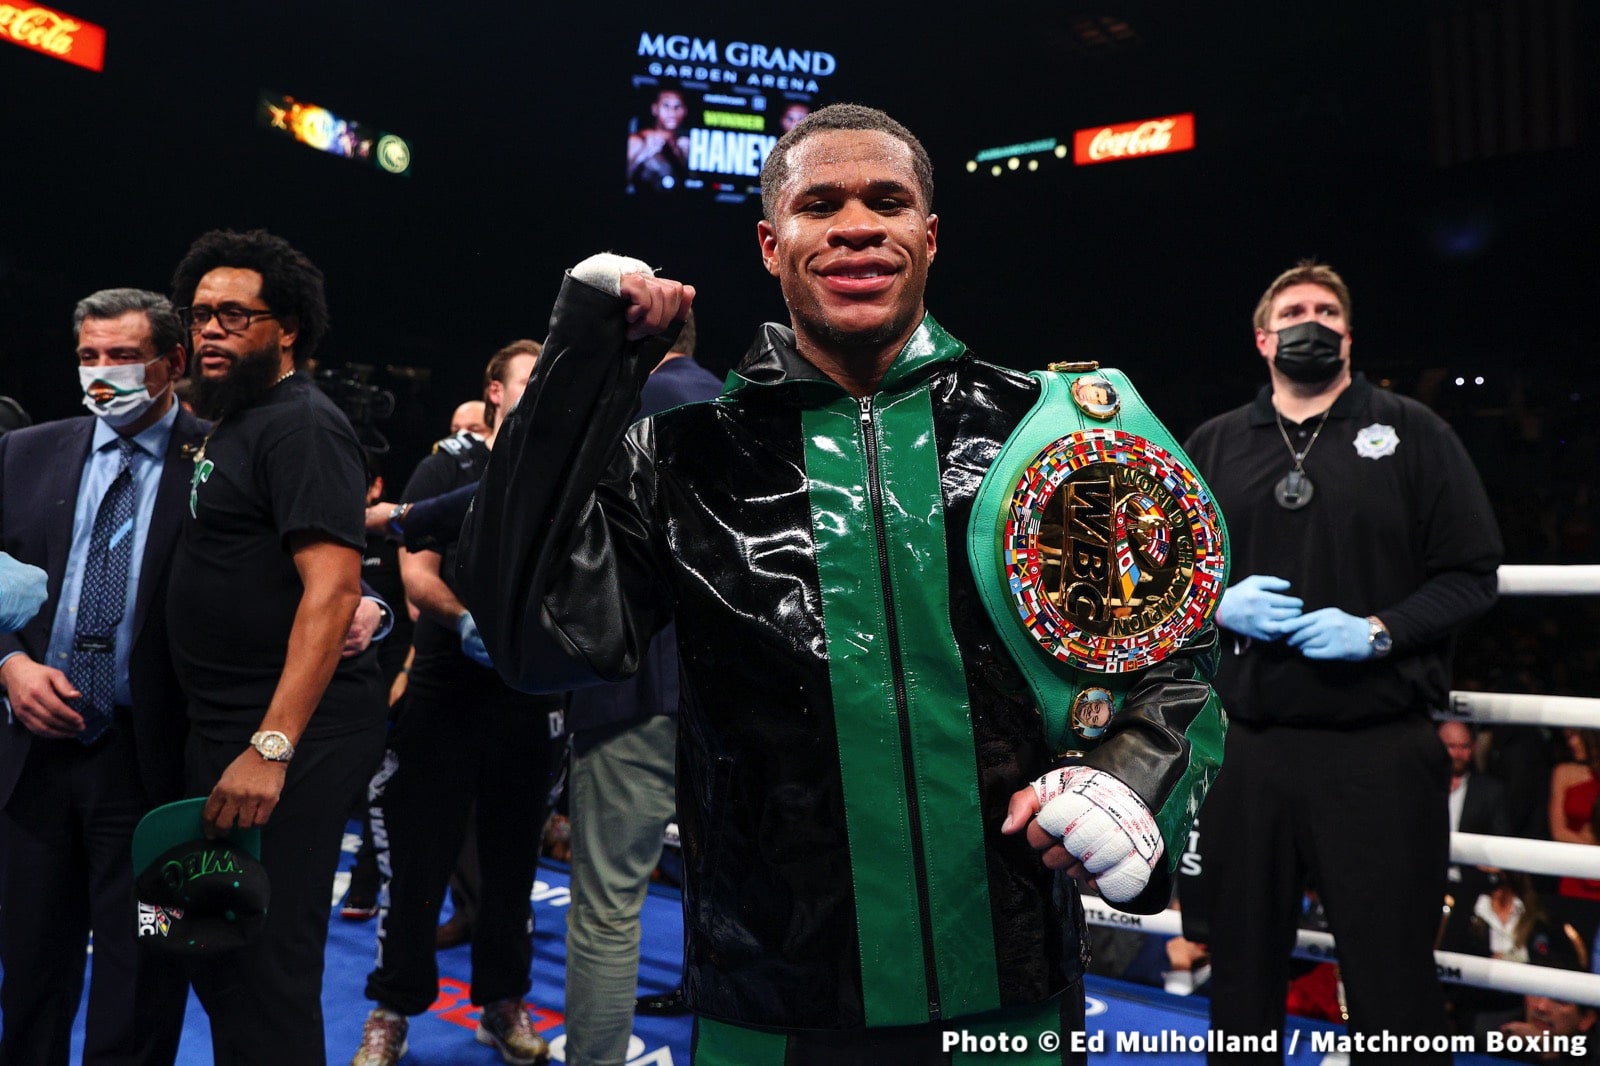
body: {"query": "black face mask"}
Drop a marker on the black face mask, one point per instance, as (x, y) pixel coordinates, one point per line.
(1308, 352)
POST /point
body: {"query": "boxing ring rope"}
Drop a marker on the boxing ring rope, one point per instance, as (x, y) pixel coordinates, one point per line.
(1516, 977)
(1508, 708)
(1549, 580)
(1496, 973)
(1511, 708)
(1530, 856)
(1472, 849)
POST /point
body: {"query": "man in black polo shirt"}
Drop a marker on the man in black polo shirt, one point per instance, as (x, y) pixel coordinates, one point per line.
(1365, 541)
(265, 582)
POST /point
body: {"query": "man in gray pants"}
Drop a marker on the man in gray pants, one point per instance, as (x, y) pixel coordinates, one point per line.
(621, 797)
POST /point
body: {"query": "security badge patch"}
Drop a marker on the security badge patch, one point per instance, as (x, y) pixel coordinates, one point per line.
(1376, 441)
(1113, 553)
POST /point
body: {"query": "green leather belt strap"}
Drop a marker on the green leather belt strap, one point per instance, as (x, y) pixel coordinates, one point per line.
(1054, 683)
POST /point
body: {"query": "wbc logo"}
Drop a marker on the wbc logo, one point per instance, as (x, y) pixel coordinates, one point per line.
(157, 921)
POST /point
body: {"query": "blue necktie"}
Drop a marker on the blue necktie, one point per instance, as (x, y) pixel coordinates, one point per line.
(101, 603)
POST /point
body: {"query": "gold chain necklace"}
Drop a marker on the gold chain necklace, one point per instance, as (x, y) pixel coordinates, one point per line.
(200, 453)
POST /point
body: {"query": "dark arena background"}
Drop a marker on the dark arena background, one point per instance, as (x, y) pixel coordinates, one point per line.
(1442, 154)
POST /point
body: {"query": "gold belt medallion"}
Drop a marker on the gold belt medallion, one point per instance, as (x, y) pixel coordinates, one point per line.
(1113, 551)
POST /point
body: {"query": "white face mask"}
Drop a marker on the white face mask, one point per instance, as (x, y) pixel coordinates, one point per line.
(117, 393)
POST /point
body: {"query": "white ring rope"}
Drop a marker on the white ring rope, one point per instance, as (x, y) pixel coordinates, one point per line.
(1549, 580)
(1531, 856)
(1502, 976)
(1513, 708)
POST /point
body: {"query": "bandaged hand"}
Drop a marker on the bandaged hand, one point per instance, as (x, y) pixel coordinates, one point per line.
(654, 304)
(1106, 834)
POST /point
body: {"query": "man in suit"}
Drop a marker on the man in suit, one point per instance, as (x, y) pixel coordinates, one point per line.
(1477, 801)
(1477, 805)
(94, 733)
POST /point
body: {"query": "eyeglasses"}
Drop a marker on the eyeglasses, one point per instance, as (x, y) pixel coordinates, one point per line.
(234, 319)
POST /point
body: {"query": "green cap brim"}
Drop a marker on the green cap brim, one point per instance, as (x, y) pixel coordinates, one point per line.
(178, 823)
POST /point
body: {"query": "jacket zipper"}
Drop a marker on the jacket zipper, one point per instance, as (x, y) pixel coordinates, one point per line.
(901, 704)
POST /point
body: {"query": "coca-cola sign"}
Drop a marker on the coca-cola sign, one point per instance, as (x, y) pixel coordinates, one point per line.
(1151, 136)
(61, 36)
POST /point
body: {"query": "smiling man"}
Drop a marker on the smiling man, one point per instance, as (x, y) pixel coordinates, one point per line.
(858, 746)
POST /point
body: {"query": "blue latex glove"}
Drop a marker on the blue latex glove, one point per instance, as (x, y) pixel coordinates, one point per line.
(23, 589)
(1257, 608)
(1331, 634)
(471, 643)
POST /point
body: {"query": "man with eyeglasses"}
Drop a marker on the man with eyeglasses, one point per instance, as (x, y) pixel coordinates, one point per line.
(92, 732)
(283, 731)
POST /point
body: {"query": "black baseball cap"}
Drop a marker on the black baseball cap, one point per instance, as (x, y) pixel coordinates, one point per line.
(197, 895)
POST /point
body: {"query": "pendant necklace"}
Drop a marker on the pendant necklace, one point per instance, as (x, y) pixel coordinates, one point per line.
(1294, 490)
(200, 455)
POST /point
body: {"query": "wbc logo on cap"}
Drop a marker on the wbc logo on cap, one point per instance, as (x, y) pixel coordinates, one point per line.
(157, 921)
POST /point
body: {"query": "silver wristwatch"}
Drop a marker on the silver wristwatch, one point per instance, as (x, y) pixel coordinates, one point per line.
(1378, 638)
(272, 745)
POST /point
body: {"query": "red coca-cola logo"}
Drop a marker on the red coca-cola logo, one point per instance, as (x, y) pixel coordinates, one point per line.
(54, 34)
(1151, 136)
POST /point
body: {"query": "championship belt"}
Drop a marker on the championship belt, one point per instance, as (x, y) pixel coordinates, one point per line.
(1097, 549)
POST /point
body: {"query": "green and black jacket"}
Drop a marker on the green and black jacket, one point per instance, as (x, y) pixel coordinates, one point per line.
(851, 726)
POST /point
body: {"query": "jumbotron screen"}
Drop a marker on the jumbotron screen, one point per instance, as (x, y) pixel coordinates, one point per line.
(707, 112)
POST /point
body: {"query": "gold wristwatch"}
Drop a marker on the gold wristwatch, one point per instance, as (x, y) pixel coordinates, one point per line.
(272, 745)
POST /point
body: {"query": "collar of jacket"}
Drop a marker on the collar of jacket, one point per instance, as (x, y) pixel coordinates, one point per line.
(774, 366)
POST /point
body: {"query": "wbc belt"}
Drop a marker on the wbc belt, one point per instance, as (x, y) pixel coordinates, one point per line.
(1097, 548)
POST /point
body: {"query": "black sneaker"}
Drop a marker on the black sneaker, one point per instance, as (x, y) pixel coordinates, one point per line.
(360, 903)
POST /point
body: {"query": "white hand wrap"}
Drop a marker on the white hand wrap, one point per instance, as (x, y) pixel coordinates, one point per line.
(1104, 825)
(604, 271)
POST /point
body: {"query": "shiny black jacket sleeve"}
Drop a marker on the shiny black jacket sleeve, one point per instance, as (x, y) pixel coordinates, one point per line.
(564, 510)
(1166, 744)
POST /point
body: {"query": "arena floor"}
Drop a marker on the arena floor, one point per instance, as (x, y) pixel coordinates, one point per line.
(1118, 1011)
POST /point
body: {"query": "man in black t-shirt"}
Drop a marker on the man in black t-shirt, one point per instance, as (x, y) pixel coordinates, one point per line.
(265, 582)
(1362, 540)
(465, 735)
